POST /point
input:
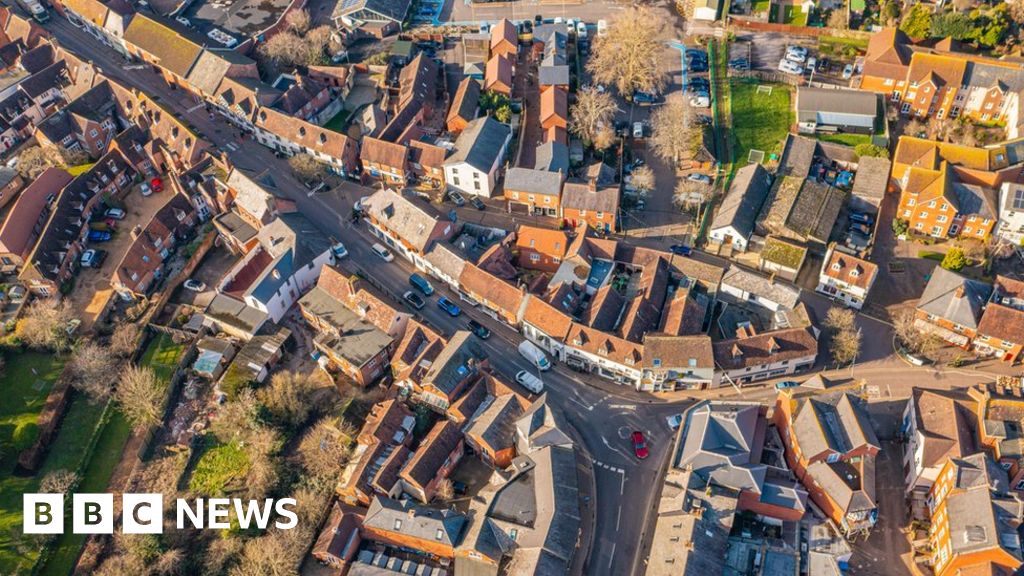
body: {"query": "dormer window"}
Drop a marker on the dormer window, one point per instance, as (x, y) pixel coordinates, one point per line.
(855, 272)
(302, 131)
(657, 362)
(323, 138)
(837, 267)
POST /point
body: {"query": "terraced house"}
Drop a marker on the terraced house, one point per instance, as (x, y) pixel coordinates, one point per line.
(949, 189)
(941, 81)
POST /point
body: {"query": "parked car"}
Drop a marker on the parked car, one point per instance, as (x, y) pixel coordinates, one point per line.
(358, 206)
(602, 27)
(157, 185)
(638, 129)
(681, 250)
(786, 384)
(529, 381)
(703, 120)
(857, 241)
(700, 100)
(115, 213)
(93, 258)
(420, 283)
(581, 29)
(702, 178)
(459, 488)
(811, 63)
(674, 421)
(477, 203)
(697, 66)
(790, 67)
(457, 198)
(644, 98)
(796, 53)
(823, 64)
(479, 329)
(535, 355)
(339, 250)
(448, 306)
(847, 71)
(414, 300)
(698, 85)
(99, 236)
(383, 252)
(144, 189)
(194, 285)
(862, 218)
(639, 445)
(739, 64)
(859, 228)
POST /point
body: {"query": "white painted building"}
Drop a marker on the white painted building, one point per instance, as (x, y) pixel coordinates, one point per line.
(846, 278)
(479, 153)
(1010, 226)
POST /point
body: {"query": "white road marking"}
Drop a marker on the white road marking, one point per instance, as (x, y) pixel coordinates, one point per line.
(612, 557)
(618, 517)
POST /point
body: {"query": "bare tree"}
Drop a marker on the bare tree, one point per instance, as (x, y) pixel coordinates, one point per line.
(839, 319)
(45, 324)
(33, 161)
(238, 419)
(169, 563)
(845, 346)
(221, 553)
(306, 167)
(643, 179)
(298, 21)
(92, 367)
(913, 127)
(59, 482)
(445, 490)
(141, 396)
(273, 554)
(325, 449)
(604, 138)
(1016, 10)
(838, 19)
(672, 133)
(592, 113)
(628, 55)
(291, 48)
(290, 396)
(124, 340)
(915, 340)
(691, 195)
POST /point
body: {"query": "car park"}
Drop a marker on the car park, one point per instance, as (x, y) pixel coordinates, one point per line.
(702, 178)
(477, 203)
(786, 384)
(383, 252)
(99, 236)
(194, 285)
(115, 213)
(339, 250)
(639, 445)
(92, 258)
(479, 329)
(414, 300)
(680, 250)
(448, 306)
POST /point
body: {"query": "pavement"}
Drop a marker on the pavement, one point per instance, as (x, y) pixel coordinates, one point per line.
(602, 413)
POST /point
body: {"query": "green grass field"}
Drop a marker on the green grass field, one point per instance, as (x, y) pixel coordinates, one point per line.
(759, 121)
(845, 139)
(162, 355)
(218, 467)
(338, 122)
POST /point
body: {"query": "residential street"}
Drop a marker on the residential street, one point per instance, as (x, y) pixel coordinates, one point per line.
(603, 414)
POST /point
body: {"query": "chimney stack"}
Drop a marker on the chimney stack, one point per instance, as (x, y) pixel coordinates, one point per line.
(592, 184)
(959, 292)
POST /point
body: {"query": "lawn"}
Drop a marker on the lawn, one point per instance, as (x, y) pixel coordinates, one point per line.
(219, 465)
(339, 122)
(794, 16)
(846, 139)
(760, 6)
(162, 355)
(759, 121)
(929, 255)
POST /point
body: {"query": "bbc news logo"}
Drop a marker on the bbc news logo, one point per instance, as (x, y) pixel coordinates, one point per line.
(144, 513)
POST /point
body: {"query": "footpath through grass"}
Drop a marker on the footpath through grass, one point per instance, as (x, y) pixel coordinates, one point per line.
(760, 121)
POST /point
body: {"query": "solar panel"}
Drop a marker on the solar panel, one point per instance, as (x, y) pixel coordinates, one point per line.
(1018, 199)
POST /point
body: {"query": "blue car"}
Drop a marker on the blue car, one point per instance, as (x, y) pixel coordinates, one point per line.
(448, 306)
(644, 98)
(786, 384)
(99, 236)
(681, 250)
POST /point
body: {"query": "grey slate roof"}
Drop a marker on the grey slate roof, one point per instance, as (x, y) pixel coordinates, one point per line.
(537, 427)
(409, 519)
(353, 338)
(872, 179)
(480, 143)
(533, 181)
(836, 422)
(455, 362)
(294, 243)
(762, 286)
(554, 75)
(553, 156)
(391, 9)
(494, 423)
(815, 210)
(717, 441)
(233, 312)
(853, 490)
(986, 76)
(972, 199)
(231, 223)
(811, 101)
(577, 195)
(412, 221)
(940, 297)
(743, 201)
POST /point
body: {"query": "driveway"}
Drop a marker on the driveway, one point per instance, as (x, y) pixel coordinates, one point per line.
(215, 264)
(902, 275)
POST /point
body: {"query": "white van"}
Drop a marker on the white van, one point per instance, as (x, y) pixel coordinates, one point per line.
(383, 252)
(534, 354)
(529, 381)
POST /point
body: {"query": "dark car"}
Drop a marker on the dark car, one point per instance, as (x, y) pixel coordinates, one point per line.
(862, 218)
(477, 203)
(861, 228)
(698, 66)
(479, 329)
(680, 250)
(786, 384)
(823, 65)
(99, 236)
(639, 445)
(644, 98)
(698, 85)
(457, 198)
(739, 64)
(459, 488)
(413, 299)
(448, 306)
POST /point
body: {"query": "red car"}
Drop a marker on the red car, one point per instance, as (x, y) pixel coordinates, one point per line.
(157, 184)
(639, 445)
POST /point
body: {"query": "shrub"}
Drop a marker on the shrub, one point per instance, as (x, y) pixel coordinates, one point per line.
(25, 435)
(954, 260)
(872, 150)
(900, 227)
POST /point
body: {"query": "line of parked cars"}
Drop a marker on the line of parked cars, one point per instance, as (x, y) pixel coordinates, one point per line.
(798, 60)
